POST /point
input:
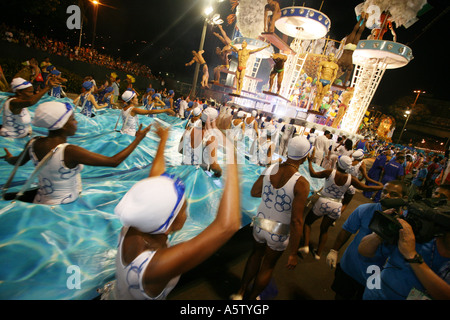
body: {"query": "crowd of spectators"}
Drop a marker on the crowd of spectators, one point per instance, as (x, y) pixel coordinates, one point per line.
(76, 53)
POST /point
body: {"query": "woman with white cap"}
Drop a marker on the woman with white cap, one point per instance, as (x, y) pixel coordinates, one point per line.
(329, 205)
(147, 267)
(237, 127)
(16, 118)
(195, 120)
(358, 170)
(265, 154)
(251, 126)
(87, 100)
(199, 145)
(131, 110)
(278, 224)
(59, 178)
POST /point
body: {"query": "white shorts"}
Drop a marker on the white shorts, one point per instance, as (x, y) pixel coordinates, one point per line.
(274, 241)
(326, 207)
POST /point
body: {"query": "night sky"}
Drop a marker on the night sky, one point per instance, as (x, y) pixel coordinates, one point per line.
(162, 34)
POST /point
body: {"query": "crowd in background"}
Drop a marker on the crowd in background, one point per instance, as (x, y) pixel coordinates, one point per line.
(76, 53)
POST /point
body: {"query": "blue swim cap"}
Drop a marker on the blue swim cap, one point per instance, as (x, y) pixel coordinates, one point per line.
(171, 92)
(190, 104)
(109, 89)
(55, 72)
(88, 85)
(50, 68)
(156, 95)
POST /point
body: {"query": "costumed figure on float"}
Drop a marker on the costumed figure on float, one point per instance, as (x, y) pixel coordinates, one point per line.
(326, 74)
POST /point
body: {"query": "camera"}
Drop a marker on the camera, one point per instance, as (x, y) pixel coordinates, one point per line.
(428, 218)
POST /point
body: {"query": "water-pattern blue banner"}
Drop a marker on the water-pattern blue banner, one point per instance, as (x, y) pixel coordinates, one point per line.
(40, 244)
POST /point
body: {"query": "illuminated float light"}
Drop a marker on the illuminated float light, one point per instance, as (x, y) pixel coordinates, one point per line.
(313, 24)
(371, 58)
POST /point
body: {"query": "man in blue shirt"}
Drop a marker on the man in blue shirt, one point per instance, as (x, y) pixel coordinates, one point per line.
(351, 272)
(418, 181)
(393, 170)
(413, 270)
(376, 170)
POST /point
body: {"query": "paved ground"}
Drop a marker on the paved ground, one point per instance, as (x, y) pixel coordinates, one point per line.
(219, 277)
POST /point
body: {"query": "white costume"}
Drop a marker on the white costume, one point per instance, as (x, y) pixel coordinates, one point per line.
(198, 155)
(130, 123)
(330, 201)
(321, 144)
(271, 224)
(289, 130)
(57, 183)
(129, 283)
(15, 125)
(138, 209)
(236, 130)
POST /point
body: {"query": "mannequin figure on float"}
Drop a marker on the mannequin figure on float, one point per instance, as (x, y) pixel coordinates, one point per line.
(326, 74)
(223, 53)
(386, 23)
(243, 56)
(346, 97)
(273, 7)
(198, 57)
(277, 70)
(345, 62)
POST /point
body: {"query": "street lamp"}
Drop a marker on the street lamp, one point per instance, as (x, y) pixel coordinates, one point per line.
(95, 3)
(408, 113)
(207, 12)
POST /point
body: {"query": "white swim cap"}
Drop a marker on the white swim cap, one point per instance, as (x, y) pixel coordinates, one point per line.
(240, 114)
(209, 112)
(344, 162)
(358, 154)
(19, 84)
(254, 113)
(128, 95)
(196, 111)
(298, 148)
(152, 204)
(52, 115)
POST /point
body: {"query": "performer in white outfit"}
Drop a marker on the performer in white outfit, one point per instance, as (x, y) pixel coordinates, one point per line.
(265, 154)
(321, 147)
(59, 178)
(130, 111)
(199, 144)
(288, 132)
(329, 206)
(358, 170)
(195, 120)
(279, 222)
(237, 127)
(147, 266)
(16, 117)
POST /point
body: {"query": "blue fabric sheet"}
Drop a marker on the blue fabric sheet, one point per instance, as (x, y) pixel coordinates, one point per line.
(40, 244)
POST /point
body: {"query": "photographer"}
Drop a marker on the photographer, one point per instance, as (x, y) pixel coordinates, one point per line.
(351, 272)
(413, 270)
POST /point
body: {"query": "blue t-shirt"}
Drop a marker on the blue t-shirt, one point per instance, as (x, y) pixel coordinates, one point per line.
(361, 145)
(422, 174)
(377, 167)
(352, 263)
(397, 277)
(392, 170)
